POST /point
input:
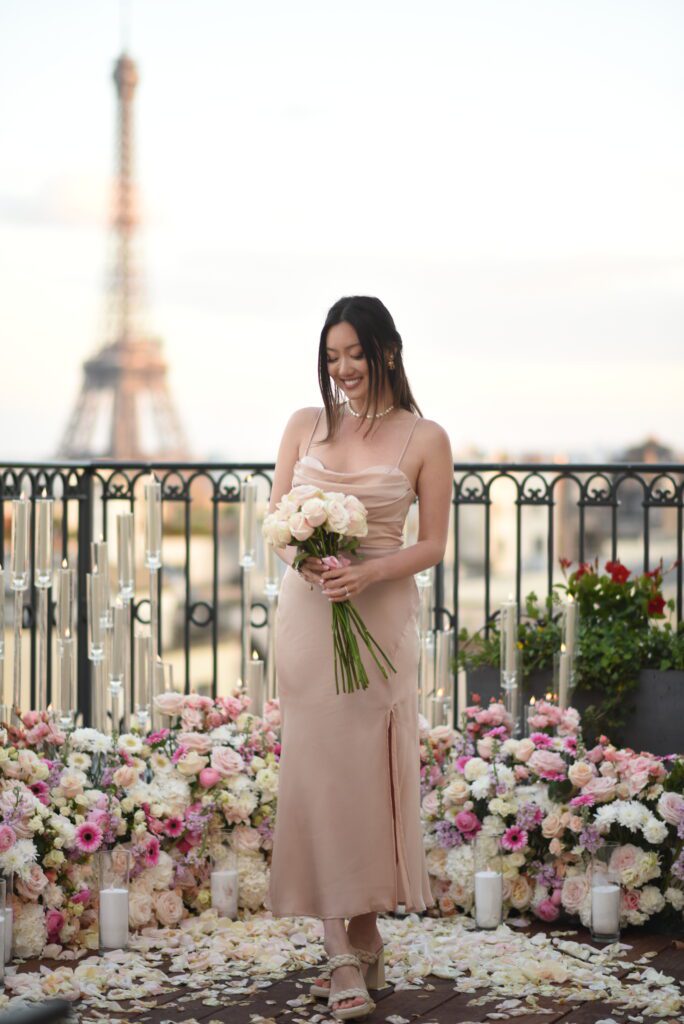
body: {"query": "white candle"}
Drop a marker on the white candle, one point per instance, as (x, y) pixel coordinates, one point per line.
(153, 522)
(255, 685)
(95, 609)
(248, 522)
(9, 923)
(488, 899)
(113, 918)
(118, 660)
(605, 909)
(224, 892)
(43, 550)
(563, 678)
(570, 625)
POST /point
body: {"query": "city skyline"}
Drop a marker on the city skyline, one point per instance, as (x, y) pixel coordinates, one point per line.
(531, 255)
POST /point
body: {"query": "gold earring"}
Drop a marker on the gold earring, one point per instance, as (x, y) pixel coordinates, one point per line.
(390, 363)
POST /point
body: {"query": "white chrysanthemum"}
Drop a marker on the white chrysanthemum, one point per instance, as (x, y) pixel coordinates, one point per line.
(90, 740)
(475, 768)
(480, 787)
(79, 759)
(630, 814)
(606, 814)
(19, 858)
(159, 762)
(655, 832)
(505, 776)
(129, 742)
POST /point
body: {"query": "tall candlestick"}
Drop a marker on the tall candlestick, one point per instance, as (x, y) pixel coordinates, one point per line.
(67, 688)
(125, 553)
(20, 549)
(570, 626)
(99, 558)
(44, 541)
(95, 614)
(66, 601)
(509, 635)
(248, 496)
(4, 698)
(142, 680)
(153, 522)
(117, 665)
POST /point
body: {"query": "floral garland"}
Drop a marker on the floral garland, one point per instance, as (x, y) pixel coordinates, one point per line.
(168, 797)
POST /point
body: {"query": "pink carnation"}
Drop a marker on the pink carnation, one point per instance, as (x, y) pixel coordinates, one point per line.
(8, 838)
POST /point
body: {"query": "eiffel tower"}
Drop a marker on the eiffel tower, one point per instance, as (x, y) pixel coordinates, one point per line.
(124, 410)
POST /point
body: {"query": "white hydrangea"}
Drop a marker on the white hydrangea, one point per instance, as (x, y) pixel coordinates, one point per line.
(459, 864)
(29, 933)
(479, 788)
(655, 831)
(675, 897)
(651, 900)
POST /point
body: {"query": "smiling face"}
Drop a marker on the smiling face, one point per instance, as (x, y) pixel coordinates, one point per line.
(347, 363)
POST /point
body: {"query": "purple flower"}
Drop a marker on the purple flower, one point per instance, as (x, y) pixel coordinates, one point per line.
(678, 867)
(529, 816)
(447, 835)
(591, 839)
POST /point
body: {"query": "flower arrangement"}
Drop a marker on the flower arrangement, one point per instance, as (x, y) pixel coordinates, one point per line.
(214, 767)
(324, 524)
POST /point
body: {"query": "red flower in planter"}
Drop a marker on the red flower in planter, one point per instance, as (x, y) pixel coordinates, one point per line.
(619, 573)
(656, 605)
(565, 563)
(584, 567)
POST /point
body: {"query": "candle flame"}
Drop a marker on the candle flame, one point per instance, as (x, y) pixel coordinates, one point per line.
(255, 655)
(562, 648)
(44, 494)
(67, 632)
(570, 599)
(64, 564)
(549, 696)
(440, 692)
(533, 700)
(510, 597)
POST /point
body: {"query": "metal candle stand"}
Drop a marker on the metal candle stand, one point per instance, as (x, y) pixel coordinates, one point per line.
(153, 560)
(19, 581)
(511, 663)
(247, 559)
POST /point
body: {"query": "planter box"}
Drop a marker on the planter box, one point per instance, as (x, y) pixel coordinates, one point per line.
(655, 710)
(655, 713)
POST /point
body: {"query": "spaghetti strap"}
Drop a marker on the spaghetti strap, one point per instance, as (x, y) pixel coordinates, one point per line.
(410, 435)
(314, 430)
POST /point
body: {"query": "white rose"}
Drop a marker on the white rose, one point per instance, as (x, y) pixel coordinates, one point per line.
(314, 511)
(675, 897)
(299, 527)
(338, 517)
(651, 900)
(476, 768)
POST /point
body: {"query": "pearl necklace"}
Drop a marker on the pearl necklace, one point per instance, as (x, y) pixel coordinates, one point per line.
(369, 416)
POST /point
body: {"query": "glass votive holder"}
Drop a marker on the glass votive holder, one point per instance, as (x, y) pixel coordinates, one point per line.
(605, 895)
(113, 880)
(224, 877)
(488, 872)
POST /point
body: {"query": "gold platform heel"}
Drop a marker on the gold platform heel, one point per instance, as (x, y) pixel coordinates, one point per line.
(375, 975)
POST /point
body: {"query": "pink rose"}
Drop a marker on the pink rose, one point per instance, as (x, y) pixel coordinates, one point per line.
(601, 788)
(580, 773)
(125, 776)
(214, 719)
(595, 754)
(192, 719)
(30, 718)
(195, 741)
(630, 900)
(168, 906)
(429, 803)
(208, 777)
(624, 858)
(170, 703)
(30, 888)
(243, 838)
(8, 838)
(575, 891)
(54, 920)
(524, 750)
(139, 908)
(546, 910)
(226, 761)
(671, 807)
(485, 747)
(467, 823)
(198, 703)
(547, 764)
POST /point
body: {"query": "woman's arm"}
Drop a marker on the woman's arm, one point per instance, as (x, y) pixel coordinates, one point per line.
(288, 453)
(435, 489)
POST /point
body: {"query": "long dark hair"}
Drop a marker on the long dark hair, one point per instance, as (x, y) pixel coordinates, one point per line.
(378, 338)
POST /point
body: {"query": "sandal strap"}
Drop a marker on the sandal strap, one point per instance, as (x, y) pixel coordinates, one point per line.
(365, 955)
(348, 993)
(343, 960)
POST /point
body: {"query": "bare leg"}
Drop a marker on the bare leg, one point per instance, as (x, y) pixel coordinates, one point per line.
(363, 933)
(335, 941)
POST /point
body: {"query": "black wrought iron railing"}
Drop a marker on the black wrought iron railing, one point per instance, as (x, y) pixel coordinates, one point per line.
(510, 525)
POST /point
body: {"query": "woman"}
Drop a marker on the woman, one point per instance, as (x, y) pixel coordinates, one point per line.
(348, 837)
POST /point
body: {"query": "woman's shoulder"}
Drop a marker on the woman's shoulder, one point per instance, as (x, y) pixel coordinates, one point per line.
(430, 433)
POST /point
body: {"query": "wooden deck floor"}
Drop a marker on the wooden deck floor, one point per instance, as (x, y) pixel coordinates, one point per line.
(440, 1005)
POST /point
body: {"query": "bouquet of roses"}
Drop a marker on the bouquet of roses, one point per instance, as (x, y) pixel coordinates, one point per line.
(322, 524)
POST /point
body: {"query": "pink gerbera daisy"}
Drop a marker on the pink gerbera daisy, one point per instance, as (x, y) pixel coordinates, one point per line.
(88, 837)
(173, 827)
(151, 852)
(514, 838)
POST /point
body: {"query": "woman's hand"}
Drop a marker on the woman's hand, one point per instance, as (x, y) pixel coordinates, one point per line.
(311, 568)
(341, 583)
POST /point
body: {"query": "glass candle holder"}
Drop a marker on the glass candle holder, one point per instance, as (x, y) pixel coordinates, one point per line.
(488, 869)
(3, 921)
(224, 877)
(113, 881)
(8, 914)
(606, 895)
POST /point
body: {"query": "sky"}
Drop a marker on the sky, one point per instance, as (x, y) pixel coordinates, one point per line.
(506, 175)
